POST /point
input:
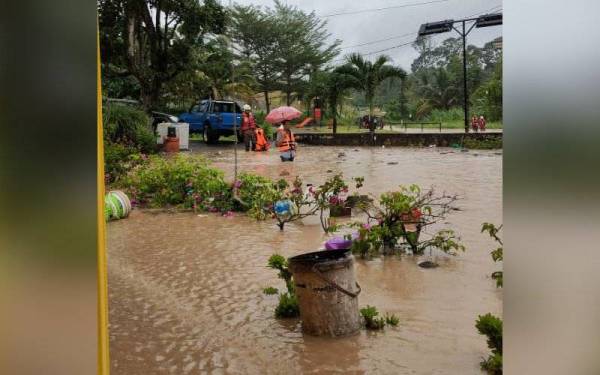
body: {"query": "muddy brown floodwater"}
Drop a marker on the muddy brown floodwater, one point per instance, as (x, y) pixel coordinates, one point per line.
(185, 291)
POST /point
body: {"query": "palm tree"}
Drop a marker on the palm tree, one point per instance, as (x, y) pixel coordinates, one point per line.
(336, 84)
(441, 91)
(368, 75)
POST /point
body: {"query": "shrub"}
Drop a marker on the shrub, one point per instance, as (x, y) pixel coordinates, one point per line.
(288, 302)
(370, 314)
(450, 115)
(258, 194)
(270, 290)
(288, 306)
(392, 320)
(269, 130)
(181, 180)
(128, 126)
(491, 327)
(483, 143)
(116, 160)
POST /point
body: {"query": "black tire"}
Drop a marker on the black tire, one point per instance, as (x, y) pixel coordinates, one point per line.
(209, 136)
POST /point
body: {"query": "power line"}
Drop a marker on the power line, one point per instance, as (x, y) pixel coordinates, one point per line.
(378, 41)
(379, 9)
(407, 43)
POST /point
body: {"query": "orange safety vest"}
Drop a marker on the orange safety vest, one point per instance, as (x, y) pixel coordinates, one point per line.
(261, 140)
(288, 143)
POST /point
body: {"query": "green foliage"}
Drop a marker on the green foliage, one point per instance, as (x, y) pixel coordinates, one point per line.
(491, 327)
(270, 291)
(128, 126)
(280, 263)
(372, 321)
(268, 129)
(391, 320)
(160, 50)
(400, 217)
(117, 160)
(288, 306)
(482, 143)
(366, 76)
(182, 180)
(258, 194)
(498, 254)
(449, 115)
(288, 302)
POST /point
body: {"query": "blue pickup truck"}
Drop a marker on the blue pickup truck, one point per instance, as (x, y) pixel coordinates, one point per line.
(213, 118)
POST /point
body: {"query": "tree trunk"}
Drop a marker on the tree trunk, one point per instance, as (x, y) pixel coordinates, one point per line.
(267, 103)
(334, 124)
(288, 97)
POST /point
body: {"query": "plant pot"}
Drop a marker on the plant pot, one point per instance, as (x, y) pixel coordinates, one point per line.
(339, 211)
(171, 144)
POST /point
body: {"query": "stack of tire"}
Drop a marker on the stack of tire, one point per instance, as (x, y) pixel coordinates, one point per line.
(116, 205)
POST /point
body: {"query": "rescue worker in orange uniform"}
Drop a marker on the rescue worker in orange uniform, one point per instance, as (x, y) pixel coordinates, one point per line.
(286, 144)
(262, 144)
(248, 127)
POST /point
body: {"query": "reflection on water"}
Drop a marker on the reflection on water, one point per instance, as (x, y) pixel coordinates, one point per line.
(185, 291)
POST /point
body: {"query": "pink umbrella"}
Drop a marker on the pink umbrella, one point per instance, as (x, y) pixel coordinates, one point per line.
(282, 114)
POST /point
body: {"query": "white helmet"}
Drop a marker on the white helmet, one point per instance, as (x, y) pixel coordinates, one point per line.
(247, 107)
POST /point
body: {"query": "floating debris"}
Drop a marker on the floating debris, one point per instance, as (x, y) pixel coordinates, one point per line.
(329, 171)
(284, 173)
(392, 162)
(427, 264)
(341, 154)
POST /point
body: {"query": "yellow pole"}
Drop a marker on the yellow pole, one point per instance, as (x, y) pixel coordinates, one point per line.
(103, 358)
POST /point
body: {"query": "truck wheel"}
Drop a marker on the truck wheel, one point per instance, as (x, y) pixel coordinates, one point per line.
(210, 137)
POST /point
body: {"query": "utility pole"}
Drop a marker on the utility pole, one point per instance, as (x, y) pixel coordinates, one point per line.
(447, 25)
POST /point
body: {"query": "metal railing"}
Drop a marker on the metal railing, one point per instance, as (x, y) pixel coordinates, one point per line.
(407, 124)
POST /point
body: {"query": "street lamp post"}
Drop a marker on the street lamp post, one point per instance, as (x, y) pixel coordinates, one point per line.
(447, 25)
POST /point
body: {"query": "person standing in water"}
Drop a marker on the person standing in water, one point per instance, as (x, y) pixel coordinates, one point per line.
(286, 142)
(248, 128)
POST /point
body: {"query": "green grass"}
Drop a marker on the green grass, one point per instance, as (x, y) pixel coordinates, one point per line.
(353, 128)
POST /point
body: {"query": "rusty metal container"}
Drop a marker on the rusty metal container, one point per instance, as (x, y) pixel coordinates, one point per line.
(327, 292)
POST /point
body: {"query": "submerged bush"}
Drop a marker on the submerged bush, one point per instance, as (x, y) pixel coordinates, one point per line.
(483, 143)
(182, 180)
(288, 306)
(288, 302)
(270, 291)
(370, 315)
(258, 194)
(491, 327)
(392, 320)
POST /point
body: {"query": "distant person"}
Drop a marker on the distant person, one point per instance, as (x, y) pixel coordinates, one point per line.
(474, 123)
(248, 128)
(482, 123)
(262, 144)
(286, 144)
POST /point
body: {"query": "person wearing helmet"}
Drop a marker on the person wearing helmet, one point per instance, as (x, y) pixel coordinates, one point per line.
(248, 128)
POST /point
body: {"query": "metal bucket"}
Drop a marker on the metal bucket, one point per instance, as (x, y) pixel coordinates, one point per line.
(327, 292)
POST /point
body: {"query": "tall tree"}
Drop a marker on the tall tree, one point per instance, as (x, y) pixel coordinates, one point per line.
(152, 40)
(255, 34)
(301, 46)
(337, 83)
(368, 75)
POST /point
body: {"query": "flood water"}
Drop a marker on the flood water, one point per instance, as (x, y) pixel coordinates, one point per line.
(185, 291)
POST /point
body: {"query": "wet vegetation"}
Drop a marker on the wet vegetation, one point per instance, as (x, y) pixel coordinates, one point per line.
(288, 301)
(488, 324)
(483, 143)
(373, 321)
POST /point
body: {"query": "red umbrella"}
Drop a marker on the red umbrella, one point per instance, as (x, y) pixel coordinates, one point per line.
(282, 114)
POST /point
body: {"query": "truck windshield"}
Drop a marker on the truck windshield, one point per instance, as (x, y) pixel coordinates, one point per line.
(226, 107)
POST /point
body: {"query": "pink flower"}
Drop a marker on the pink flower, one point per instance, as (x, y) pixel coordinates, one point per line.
(345, 189)
(366, 226)
(237, 184)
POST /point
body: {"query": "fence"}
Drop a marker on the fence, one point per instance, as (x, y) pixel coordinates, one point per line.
(407, 124)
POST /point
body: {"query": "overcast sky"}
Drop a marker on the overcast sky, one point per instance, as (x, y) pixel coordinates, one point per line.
(353, 29)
